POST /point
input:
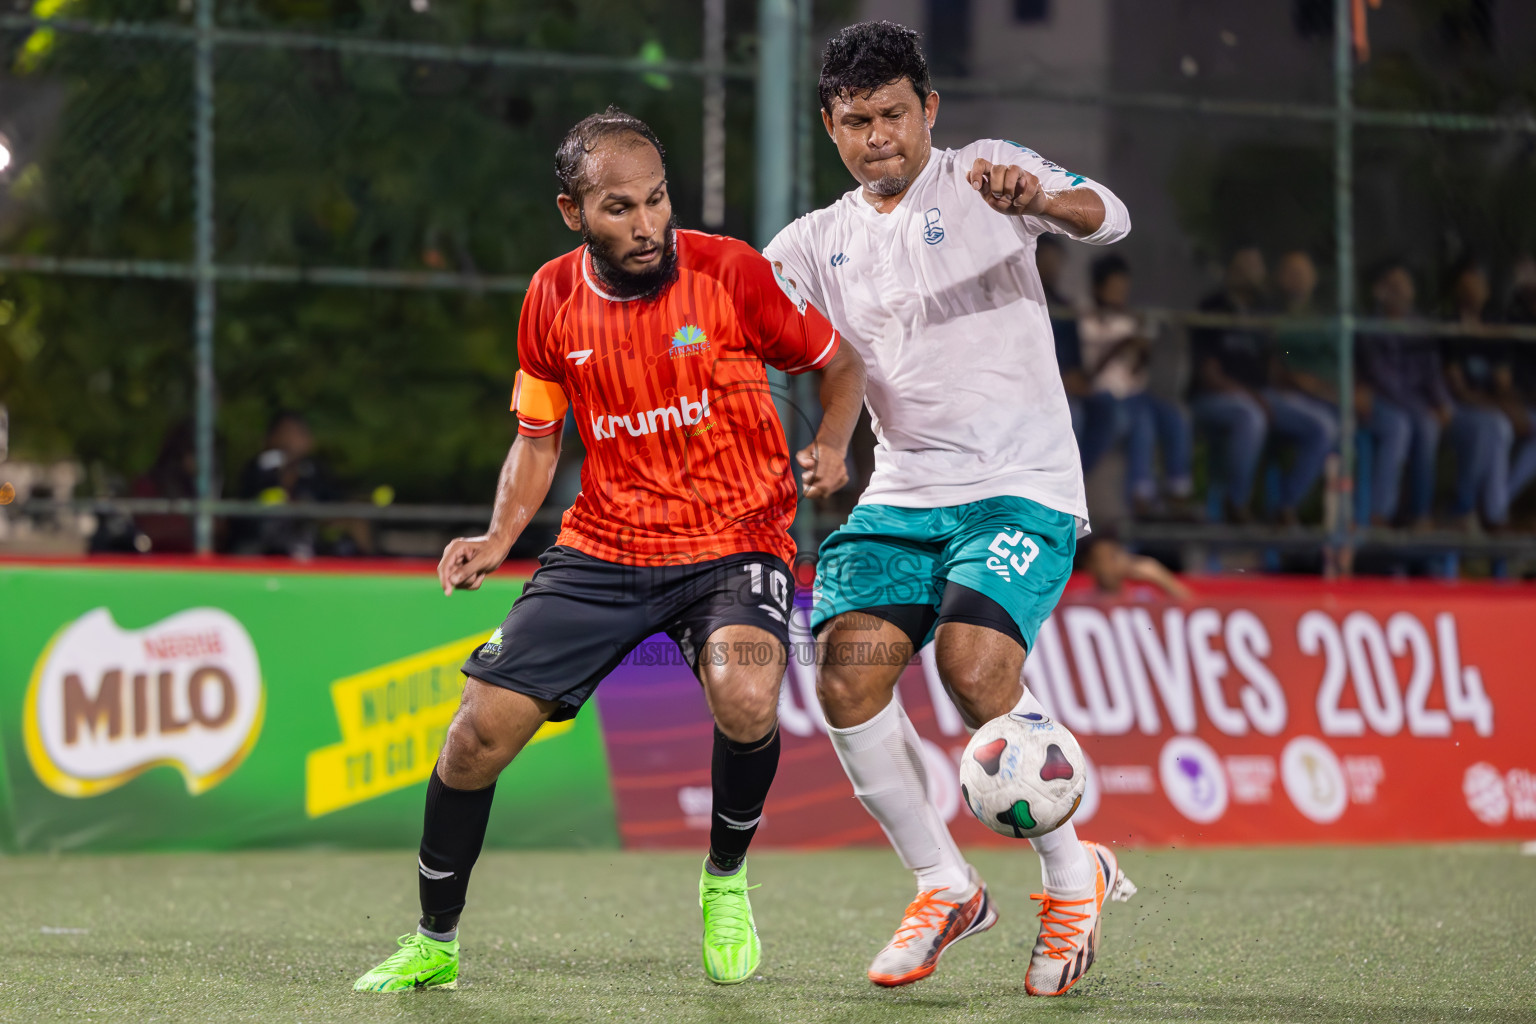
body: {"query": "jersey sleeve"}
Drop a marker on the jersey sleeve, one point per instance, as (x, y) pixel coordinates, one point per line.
(791, 253)
(537, 397)
(1053, 177)
(781, 327)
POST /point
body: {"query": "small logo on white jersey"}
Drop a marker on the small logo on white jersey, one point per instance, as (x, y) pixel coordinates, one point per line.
(933, 231)
(1012, 550)
(685, 413)
(839, 259)
(581, 355)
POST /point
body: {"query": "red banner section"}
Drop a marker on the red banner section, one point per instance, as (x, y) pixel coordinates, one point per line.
(1263, 711)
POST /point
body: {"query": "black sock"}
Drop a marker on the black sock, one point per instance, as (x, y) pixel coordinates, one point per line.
(451, 837)
(741, 774)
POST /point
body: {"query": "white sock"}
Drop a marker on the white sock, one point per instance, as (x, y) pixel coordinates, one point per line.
(884, 760)
(1064, 864)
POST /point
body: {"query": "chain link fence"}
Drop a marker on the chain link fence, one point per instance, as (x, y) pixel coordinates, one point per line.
(216, 212)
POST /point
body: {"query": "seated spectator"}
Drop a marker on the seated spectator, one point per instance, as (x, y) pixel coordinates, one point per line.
(1112, 567)
(1092, 415)
(286, 470)
(1307, 361)
(1407, 379)
(174, 475)
(1473, 368)
(1515, 380)
(1115, 352)
(1522, 299)
(1238, 403)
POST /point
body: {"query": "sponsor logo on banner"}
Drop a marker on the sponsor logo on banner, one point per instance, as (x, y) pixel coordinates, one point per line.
(1192, 778)
(1252, 777)
(393, 721)
(1364, 773)
(1495, 797)
(106, 704)
(1313, 779)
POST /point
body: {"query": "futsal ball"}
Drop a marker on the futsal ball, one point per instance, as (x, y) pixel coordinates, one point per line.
(1023, 775)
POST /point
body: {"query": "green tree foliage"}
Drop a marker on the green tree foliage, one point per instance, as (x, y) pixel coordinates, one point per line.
(322, 159)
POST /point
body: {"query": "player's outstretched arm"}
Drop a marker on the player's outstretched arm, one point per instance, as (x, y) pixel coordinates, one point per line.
(524, 483)
(825, 460)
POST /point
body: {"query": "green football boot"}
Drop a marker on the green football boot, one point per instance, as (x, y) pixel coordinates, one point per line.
(731, 949)
(420, 962)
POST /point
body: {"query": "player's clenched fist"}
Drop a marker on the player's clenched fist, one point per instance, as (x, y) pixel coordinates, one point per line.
(1007, 188)
(467, 561)
(825, 470)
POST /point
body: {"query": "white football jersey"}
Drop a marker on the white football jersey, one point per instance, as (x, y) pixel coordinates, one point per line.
(942, 299)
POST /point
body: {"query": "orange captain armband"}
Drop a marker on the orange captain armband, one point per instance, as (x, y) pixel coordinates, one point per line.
(539, 404)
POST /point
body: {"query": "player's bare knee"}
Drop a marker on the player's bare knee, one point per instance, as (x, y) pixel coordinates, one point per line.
(839, 687)
(981, 691)
(471, 754)
(750, 713)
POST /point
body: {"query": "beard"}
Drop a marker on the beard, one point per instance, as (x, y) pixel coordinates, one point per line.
(890, 185)
(625, 284)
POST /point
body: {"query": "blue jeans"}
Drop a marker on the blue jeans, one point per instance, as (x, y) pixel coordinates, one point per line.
(1311, 427)
(1391, 432)
(1481, 440)
(1149, 423)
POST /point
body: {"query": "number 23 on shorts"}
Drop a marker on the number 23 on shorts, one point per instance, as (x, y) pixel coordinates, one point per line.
(1012, 550)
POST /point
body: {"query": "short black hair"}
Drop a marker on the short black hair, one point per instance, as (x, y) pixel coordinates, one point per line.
(1381, 268)
(583, 138)
(863, 57)
(1106, 267)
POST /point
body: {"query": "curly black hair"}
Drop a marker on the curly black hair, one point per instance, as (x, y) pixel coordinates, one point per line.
(571, 157)
(863, 57)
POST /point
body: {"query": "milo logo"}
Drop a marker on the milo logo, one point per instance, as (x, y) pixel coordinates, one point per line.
(107, 703)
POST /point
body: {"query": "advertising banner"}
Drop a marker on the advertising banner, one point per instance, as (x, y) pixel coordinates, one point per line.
(173, 708)
(1259, 712)
(206, 709)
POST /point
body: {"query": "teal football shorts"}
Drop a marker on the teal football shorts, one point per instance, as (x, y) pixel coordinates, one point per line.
(1015, 551)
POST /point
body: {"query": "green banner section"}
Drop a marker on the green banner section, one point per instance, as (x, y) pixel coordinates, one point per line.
(210, 709)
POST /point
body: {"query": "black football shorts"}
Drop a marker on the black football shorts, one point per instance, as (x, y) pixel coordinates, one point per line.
(580, 616)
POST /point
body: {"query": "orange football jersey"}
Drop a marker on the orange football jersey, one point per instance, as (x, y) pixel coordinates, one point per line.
(686, 459)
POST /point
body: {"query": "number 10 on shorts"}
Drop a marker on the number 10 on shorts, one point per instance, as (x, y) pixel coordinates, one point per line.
(778, 583)
(1012, 549)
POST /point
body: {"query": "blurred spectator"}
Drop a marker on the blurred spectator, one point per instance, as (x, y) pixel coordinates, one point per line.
(1112, 567)
(1236, 401)
(1522, 299)
(1115, 352)
(1307, 360)
(1407, 379)
(286, 470)
(1477, 370)
(1092, 415)
(1515, 380)
(174, 475)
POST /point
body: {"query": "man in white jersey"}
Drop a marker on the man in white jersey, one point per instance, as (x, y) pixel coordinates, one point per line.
(966, 533)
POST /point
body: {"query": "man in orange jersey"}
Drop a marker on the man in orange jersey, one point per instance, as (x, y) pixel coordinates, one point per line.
(658, 341)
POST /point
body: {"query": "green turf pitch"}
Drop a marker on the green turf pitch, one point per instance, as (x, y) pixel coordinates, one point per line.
(1375, 934)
